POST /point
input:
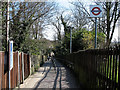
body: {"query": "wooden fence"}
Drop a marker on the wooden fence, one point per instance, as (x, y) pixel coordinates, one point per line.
(18, 74)
(1, 58)
(26, 65)
(98, 68)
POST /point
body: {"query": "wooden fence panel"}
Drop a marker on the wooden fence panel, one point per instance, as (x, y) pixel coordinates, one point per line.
(3, 84)
(0, 69)
(5, 81)
(116, 58)
(119, 69)
(26, 65)
(28, 57)
(20, 60)
(12, 78)
(110, 73)
(14, 71)
(16, 67)
(108, 65)
(4, 74)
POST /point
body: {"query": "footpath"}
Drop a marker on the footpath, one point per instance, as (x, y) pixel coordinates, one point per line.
(48, 77)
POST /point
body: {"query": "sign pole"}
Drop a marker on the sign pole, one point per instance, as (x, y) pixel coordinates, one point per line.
(10, 61)
(9, 80)
(95, 32)
(95, 11)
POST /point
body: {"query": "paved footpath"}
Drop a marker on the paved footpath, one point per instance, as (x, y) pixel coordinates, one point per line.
(48, 77)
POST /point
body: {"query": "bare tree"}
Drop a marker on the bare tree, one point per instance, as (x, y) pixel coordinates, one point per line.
(80, 16)
(112, 12)
(108, 22)
(57, 24)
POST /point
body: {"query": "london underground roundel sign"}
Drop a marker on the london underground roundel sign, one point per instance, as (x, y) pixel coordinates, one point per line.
(95, 11)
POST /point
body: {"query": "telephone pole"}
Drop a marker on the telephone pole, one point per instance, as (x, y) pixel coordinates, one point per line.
(0, 26)
(7, 40)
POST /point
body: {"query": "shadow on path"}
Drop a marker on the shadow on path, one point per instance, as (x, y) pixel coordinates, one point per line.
(59, 78)
(60, 83)
(44, 70)
(55, 82)
(42, 79)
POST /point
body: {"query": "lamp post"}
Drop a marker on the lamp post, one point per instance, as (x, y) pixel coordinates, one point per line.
(70, 40)
(70, 28)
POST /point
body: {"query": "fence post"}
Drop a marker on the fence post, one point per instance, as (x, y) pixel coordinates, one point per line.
(30, 66)
(23, 66)
(0, 71)
(119, 70)
(18, 70)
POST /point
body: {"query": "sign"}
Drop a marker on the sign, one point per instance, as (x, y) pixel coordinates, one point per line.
(11, 54)
(95, 11)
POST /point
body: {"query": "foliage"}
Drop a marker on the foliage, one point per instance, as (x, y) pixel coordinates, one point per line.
(36, 47)
(89, 39)
(77, 41)
(22, 16)
(81, 39)
(31, 46)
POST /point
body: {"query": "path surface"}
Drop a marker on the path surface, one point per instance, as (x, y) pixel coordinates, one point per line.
(47, 77)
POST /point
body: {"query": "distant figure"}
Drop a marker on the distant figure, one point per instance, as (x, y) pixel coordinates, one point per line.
(53, 62)
(52, 54)
(54, 65)
(48, 57)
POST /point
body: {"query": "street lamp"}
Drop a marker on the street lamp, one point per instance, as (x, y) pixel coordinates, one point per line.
(70, 28)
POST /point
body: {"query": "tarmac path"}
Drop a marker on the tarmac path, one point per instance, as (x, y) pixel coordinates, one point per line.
(53, 78)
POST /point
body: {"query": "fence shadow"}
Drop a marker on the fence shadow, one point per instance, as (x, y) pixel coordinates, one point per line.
(67, 74)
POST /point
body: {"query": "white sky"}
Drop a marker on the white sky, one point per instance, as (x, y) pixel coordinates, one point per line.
(64, 4)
